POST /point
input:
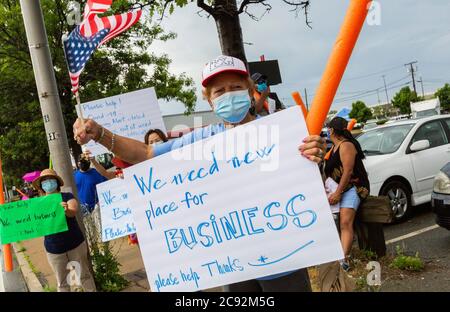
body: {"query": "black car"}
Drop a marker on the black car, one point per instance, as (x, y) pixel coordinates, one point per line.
(440, 198)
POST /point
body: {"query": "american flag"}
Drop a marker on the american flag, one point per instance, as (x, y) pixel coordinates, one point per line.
(92, 33)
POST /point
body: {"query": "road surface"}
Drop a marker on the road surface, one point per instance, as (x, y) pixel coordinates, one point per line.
(420, 234)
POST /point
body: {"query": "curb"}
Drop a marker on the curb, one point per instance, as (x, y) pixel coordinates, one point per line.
(31, 279)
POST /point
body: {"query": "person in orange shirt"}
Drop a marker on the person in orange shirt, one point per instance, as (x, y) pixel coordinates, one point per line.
(263, 103)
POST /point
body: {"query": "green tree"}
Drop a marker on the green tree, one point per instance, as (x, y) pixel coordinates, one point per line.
(379, 111)
(444, 96)
(402, 100)
(123, 65)
(360, 111)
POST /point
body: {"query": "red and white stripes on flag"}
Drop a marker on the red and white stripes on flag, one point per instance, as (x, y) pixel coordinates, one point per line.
(92, 33)
(115, 23)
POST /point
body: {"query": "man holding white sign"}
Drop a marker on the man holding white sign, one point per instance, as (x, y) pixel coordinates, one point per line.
(212, 231)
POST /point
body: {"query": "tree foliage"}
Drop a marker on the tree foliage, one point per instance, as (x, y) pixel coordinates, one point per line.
(444, 96)
(360, 112)
(124, 64)
(403, 99)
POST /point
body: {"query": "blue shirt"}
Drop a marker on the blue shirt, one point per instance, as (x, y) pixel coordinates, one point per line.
(86, 182)
(189, 138)
(65, 241)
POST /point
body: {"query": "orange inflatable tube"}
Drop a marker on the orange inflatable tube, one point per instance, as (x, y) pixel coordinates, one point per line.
(337, 62)
(351, 124)
(298, 99)
(7, 254)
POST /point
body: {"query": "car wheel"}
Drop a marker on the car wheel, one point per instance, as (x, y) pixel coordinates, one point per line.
(400, 198)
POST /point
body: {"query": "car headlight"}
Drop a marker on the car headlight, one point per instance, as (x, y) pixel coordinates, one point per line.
(441, 183)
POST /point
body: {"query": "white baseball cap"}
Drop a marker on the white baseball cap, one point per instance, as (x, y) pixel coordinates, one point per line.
(222, 64)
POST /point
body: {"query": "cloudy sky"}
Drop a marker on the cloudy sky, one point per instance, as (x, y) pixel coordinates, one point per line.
(409, 30)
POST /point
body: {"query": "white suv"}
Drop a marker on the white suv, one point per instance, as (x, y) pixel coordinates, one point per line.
(403, 158)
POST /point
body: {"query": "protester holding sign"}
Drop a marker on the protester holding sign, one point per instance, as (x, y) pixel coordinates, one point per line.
(86, 178)
(232, 76)
(67, 248)
(346, 168)
(263, 102)
(228, 89)
(155, 136)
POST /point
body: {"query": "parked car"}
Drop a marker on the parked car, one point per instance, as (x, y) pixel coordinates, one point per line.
(403, 159)
(440, 198)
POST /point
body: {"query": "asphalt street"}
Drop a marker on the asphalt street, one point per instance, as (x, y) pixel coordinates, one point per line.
(433, 247)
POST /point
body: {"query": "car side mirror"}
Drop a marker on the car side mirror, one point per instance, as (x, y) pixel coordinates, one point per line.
(420, 145)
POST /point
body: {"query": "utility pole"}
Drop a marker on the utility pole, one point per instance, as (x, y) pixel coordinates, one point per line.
(385, 89)
(378, 95)
(48, 94)
(412, 70)
(421, 83)
(306, 99)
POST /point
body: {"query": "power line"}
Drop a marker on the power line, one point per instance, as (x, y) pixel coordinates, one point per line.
(369, 93)
(358, 77)
(373, 74)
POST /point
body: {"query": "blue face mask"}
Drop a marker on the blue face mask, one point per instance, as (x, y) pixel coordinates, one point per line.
(49, 186)
(232, 106)
(262, 87)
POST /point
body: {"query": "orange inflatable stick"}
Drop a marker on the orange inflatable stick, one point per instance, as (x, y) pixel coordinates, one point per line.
(298, 99)
(337, 62)
(351, 124)
(7, 254)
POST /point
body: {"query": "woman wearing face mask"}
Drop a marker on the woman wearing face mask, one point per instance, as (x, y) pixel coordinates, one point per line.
(263, 103)
(67, 246)
(228, 89)
(346, 168)
(154, 137)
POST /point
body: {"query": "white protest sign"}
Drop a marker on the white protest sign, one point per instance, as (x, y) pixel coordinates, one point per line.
(115, 211)
(252, 206)
(129, 114)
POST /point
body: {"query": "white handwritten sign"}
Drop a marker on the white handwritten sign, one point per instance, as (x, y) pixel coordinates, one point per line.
(232, 216)
(129, 114)
(115, 211)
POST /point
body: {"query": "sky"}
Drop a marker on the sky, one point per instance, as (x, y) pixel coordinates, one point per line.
(408, 30)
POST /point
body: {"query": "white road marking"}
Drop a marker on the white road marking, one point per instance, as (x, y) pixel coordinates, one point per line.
(412, 234)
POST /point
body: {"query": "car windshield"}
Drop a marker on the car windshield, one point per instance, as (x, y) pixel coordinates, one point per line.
(426, 113)
(370, 126)
(383, 140)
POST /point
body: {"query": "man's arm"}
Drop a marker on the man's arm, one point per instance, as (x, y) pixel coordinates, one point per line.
(100, 169)
(259, 101)
(127, 149)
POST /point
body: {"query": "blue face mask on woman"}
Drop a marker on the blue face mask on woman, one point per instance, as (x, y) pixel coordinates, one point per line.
(232, 106)
(262, 87)
(49, 186)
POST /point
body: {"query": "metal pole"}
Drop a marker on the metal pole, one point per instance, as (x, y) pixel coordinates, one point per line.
(48, 94)
(306, 99)
(410, 64)
(421, 83)
(385, 90)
